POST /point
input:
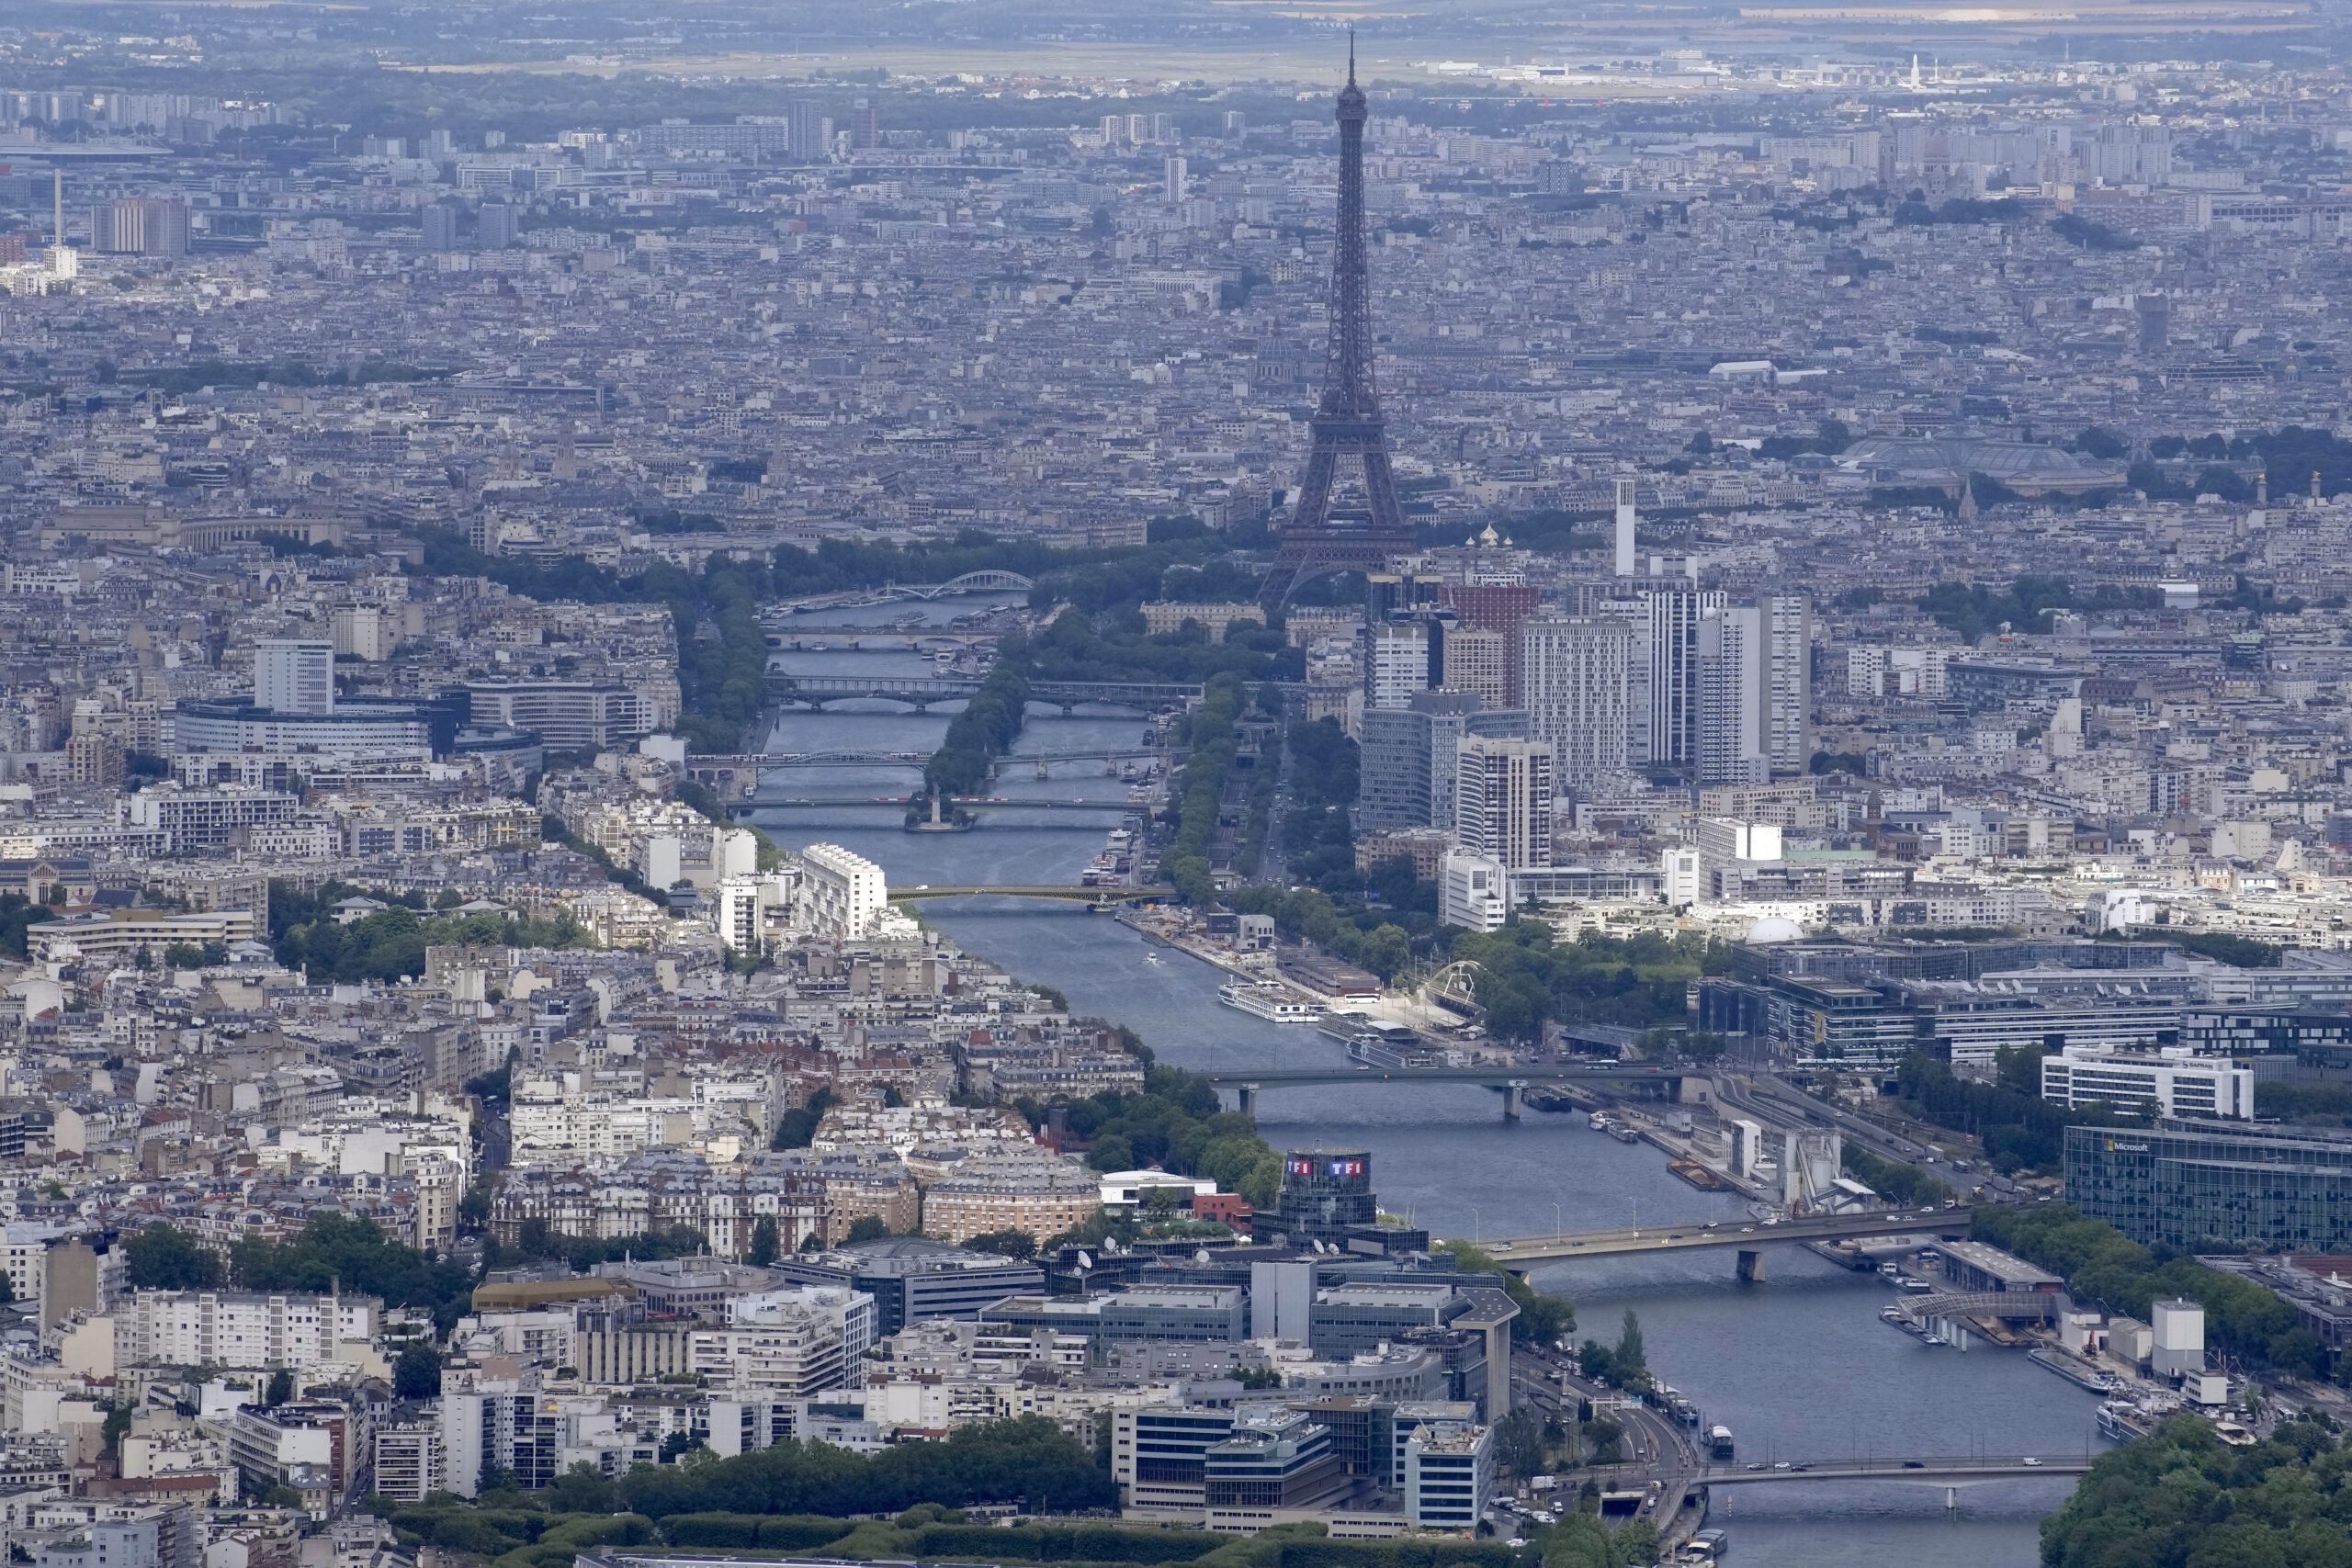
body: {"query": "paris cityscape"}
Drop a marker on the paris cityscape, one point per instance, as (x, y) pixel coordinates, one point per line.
(1226, 787)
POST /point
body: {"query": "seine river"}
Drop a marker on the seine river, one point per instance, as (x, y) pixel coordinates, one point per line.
(1798, 1366)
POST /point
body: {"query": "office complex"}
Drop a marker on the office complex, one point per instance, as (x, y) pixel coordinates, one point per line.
(2174, 1082)
(294, 676)
(2204, 1188)
(1325, 1194)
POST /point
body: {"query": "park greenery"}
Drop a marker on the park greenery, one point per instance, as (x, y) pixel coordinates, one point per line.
(1019, 1462)
(2227, 947)
(2181, 1498)
(2103, 1266)
(1210, 733)
(332, 1252)
(1114, 644)
(534, 1238)
(797, 1128)
(1527, 976)
(986, 727)
(2018, 1129)
(389, 943)
(1624, 1365)
(1974, 609)
(1326, 775)
(162, 1257)
(1905, 1184)
(1175, 1125)
(2304, 1105)
(16, 913)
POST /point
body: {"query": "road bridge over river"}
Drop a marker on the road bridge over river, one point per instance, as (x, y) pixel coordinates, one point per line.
(1522, 1254)
(1513, 1081)
(1907, 1471)
(920, 690)
(1090, 895)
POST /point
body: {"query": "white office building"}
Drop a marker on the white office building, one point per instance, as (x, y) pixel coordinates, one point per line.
(844, 893)
(1399, 665)
(1448, 1471)
(294, 675)
(1473, 891)
(569, 716)
(2180, 1083)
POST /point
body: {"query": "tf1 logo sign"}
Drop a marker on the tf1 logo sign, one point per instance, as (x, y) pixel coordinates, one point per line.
(1337, 1168)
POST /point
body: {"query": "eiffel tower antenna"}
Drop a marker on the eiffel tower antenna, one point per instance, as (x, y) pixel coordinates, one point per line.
(1320, 541)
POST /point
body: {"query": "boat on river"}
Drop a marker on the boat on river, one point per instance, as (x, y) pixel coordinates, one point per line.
(1271, 1000)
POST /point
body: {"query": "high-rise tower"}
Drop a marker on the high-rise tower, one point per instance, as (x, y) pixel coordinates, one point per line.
(1348, 518)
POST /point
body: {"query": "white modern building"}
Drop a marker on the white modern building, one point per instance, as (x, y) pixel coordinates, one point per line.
(569, 716)
(294, 675)
(2180, 1083)
(1399, 665)
(238, 1332)
(845, 894)
(797, 1342)
(1473, 892)
(2178, 1339)
(1448, 1471)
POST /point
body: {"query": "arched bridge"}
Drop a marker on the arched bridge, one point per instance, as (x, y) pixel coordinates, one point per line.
(1066, 895)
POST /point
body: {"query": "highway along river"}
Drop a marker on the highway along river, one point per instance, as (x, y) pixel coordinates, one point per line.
(1799, 1366)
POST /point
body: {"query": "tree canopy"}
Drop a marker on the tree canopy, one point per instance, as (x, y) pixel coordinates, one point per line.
(2181, 1498)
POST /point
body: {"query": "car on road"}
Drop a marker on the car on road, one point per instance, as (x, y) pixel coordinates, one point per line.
(1915, 1465)
(2032, 1461)
(1757, 1465)
(1747, 1230)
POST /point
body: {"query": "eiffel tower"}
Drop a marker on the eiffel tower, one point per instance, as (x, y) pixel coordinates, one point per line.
(1360, 526)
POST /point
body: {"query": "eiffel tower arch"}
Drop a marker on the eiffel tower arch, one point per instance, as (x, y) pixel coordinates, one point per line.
(1347, 518)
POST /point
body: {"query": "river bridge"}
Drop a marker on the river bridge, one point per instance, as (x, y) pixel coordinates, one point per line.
(768, 760)
(744, 808)
(970, 582)
(1947, 1472)
(1096, 896)
(920, 690)
(1513, 1081)
(1519, 1254)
